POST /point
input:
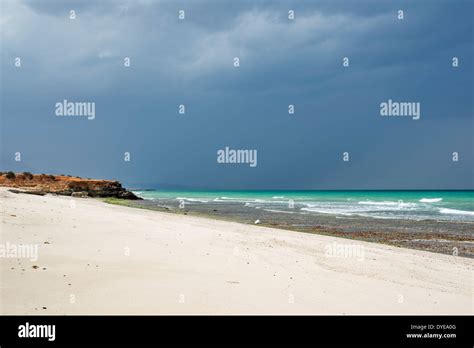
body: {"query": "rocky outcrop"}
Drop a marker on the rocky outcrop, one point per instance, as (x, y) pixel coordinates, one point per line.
(65, 185)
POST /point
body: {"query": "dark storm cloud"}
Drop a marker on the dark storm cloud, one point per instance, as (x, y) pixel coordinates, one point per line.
(282, 62)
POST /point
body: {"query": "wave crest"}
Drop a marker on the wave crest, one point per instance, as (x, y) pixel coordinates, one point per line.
(430, 200)
(455, 211)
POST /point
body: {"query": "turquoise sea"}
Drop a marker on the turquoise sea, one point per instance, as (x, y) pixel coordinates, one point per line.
(416, 205)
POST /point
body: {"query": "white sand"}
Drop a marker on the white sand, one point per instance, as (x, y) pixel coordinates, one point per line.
(182, 264)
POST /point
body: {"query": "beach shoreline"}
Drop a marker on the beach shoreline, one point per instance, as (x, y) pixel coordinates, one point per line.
(99, 258)
(446, 237)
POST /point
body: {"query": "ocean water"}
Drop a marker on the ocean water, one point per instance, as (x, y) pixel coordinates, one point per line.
(415, 205)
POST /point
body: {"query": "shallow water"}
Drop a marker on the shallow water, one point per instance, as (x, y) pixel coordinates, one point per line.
(455, 206)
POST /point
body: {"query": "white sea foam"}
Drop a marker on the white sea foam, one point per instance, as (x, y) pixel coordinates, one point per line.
(377, 216)
(280, 211)
(456, 212)
(232, 200)
(355, 212)
(328, 211)
(389, 203)
(430, 200)
(379, 203)
(227, 199)
(191, 199)
(262, 201)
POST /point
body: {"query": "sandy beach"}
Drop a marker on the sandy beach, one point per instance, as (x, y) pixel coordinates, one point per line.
(98, 258)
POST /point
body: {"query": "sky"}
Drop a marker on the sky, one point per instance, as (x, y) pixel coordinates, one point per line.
(283, 61)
